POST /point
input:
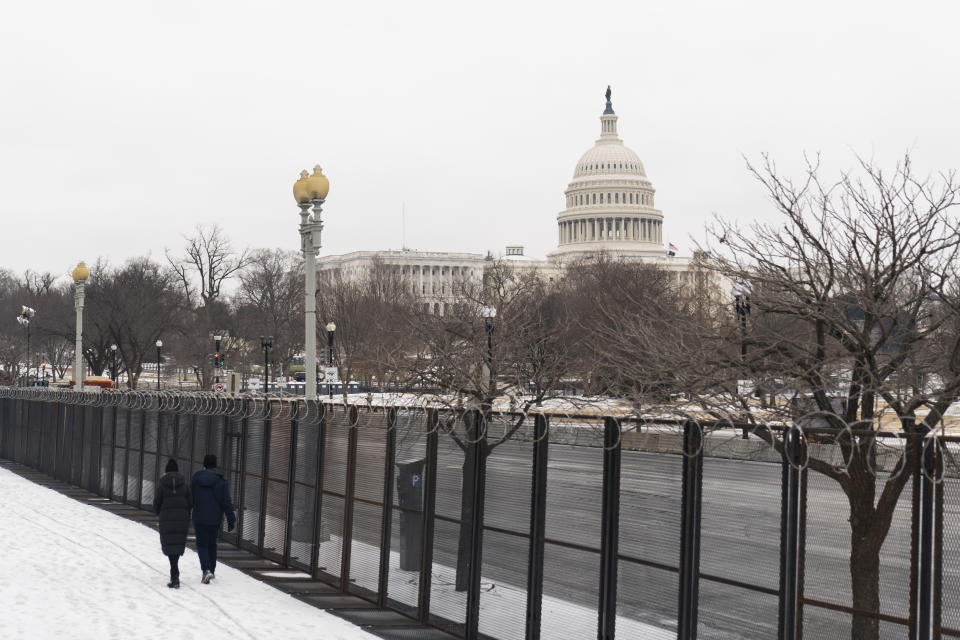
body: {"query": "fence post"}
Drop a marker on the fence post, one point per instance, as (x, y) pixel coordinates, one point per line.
(429, 509)
(692, 494)
(318, 490)
(924, 536)
(792, 486)
(291, 480)
(477, 450)
(538, 521)
(346, 549)
(387, 528)
(609, 530)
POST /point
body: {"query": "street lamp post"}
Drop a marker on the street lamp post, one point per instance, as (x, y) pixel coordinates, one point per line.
(741, 297)
(741, 304)
(159, 346)
(113, 365)
(26, 314)
(80, 275)
(489, 313)
(310, 191)
(331, 327)
(266, 343)
(216, 364)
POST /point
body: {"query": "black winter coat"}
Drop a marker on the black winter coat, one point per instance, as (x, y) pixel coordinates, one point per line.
(172, 503)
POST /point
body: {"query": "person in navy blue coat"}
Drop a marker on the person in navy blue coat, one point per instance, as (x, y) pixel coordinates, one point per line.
(211, 501)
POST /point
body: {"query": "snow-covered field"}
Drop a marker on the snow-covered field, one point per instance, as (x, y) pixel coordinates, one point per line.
(76, 571)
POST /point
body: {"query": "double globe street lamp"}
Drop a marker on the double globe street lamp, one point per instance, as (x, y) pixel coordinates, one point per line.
(310, 191)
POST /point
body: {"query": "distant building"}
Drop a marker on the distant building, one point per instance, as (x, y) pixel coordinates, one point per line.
(609, 209)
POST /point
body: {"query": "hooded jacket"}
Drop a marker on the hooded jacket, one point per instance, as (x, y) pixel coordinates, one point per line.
(211, 499)
(172, 503)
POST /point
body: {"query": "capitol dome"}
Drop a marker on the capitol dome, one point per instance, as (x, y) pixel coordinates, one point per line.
(609, 157)
(610, 202)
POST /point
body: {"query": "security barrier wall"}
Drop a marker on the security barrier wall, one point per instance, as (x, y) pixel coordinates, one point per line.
(510, 526)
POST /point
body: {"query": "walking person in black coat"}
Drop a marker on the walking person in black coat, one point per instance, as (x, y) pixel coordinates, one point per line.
(172, 503)
(211, 501)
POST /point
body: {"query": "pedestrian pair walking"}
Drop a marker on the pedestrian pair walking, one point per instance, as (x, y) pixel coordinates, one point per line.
(207, 500)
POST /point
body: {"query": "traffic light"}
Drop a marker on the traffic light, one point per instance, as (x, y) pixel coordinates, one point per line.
(218, 360)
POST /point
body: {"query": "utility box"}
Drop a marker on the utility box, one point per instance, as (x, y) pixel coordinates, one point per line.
(410, 493)
(233, 382)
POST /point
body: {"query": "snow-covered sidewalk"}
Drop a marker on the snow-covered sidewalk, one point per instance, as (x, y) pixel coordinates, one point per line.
(72, 570)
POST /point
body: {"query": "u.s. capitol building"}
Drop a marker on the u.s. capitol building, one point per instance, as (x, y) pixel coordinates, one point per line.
(610, 209)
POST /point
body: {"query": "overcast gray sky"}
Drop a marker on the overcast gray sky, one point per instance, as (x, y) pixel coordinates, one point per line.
(125, 124)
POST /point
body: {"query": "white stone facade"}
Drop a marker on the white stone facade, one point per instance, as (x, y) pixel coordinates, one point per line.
(609, 209)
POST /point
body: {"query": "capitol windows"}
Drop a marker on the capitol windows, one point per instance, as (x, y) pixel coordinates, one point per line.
(601, 198)
(631, 198)
(594, 198)
(617, 198)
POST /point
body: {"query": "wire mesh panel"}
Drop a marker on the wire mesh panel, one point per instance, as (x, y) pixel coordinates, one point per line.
(950, 540)
(278, 470)
(232, 430)
(334, 489)
(76, 446)
(831, 558)
(740, 542)
(183, 426)
(90, 447)
(304, 492)
(650, 523)
(166, 439)
(253, 478)
(571, 571)
(371, 434)
(407, 512)
(106, 450)
(153, 465)
(200, 428)
(448, 604)
(121, 437)
(133, 457)
(506, 534)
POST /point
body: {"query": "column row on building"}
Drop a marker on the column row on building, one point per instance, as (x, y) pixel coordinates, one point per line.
(590, 198)
(426, 279)
(611, 229)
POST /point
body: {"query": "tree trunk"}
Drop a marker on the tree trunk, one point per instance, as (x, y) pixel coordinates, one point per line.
(466, 519)
(865, 577)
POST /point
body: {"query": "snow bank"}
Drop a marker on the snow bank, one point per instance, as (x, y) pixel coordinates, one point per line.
(76, 571)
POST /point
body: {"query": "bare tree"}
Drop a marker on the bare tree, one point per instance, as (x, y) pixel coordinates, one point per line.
(854, 312)
(370, 310)
(270, 302)
(209, 261)
(143, 304)
(502, 337)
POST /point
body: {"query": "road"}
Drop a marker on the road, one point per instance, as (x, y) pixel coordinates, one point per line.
(740, 540)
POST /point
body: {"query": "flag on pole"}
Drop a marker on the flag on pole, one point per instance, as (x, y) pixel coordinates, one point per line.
(672, 249)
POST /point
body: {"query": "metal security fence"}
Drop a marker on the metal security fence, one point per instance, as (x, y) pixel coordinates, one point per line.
(509, 526)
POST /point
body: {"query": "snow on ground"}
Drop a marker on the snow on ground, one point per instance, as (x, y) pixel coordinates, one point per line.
(75, 571)
(502, 606)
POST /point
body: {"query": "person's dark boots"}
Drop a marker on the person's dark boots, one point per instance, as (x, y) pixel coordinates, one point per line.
(174, 583)
(206, 577)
